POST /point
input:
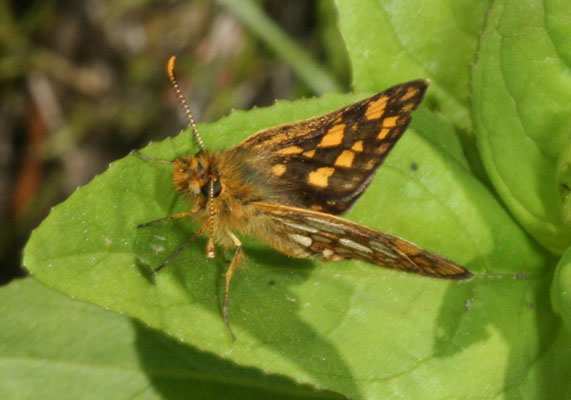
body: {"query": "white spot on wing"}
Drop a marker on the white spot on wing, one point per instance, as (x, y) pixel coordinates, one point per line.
(303, 240)
(301, 254)
(327, 253)
(343, 250)
(301, 227)
(326, 225)
(382, 248)
(320, 238)
(355, 245)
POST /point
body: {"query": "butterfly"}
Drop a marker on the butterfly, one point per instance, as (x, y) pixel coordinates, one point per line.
(286, 186)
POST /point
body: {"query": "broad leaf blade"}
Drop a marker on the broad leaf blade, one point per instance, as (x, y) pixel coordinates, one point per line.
(522, 113)
(52, 347)
(323, 324)
(395, 41)
(560, 290)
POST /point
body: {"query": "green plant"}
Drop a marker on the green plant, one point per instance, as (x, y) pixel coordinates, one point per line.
(481, 177)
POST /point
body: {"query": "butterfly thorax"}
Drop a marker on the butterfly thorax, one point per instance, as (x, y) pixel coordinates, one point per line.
(232, 180)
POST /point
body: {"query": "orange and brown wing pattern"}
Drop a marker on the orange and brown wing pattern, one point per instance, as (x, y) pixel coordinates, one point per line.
(333, 238)
(330, 160)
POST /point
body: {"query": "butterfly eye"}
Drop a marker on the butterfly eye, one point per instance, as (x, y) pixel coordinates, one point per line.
(205, 189)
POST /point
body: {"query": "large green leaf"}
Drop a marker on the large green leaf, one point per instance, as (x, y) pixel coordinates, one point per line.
(560, 290)
(323, 324)
(522, 112)
(392, 41)
(52, 347)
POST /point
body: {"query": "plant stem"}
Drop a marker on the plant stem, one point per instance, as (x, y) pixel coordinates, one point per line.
(249, 13)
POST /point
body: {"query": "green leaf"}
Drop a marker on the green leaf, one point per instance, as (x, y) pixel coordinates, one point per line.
(392, 41)
(52, 347)
(561, 289)
(323, 324)
(348, 327)
(522, 93)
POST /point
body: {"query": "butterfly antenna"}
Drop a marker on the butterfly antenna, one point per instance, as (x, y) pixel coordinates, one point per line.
(210, 244)
(174, 82)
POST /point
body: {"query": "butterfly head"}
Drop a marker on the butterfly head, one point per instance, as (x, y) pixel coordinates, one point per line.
(196, 176)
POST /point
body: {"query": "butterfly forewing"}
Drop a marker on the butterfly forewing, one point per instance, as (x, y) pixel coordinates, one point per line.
(328, 161)
(326, 236)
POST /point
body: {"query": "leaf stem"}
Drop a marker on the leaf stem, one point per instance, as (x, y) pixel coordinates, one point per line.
(309, 70)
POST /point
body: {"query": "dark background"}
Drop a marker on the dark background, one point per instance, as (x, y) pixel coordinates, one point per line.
(84, 82)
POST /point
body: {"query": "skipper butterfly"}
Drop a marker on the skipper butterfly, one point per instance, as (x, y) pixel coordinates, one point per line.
(287, 185)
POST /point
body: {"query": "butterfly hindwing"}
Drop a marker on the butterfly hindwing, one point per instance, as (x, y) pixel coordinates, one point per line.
(329, 237)
(330, 160)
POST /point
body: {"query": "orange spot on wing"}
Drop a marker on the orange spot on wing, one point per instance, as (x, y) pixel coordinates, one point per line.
(382, 149)
(407, 108)
(376, 108)
(358, 146)
(410, 92)
(309, 153)
(333, 137)
(320, 177)
(390, 122)
(383, 133)
(407, 248)
(290, 150)
(369, 164)
(279, 169)
(345, 159)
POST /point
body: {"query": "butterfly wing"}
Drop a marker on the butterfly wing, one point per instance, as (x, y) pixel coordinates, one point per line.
(311, 234)
(329, 160)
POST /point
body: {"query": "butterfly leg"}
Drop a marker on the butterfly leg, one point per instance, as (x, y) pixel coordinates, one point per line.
(238, 257)
(177, 251)
(184, 245)
(169, 218)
